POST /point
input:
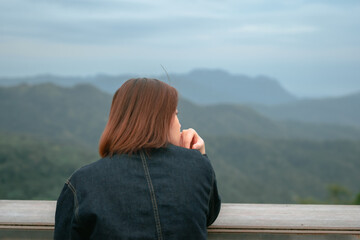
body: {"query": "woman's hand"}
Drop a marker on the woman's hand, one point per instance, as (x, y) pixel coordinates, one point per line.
(190, 139)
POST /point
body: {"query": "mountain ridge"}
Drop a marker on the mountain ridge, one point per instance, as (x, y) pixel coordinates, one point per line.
(342, 110)
(210, 86)
(50, 109)
(203, 86)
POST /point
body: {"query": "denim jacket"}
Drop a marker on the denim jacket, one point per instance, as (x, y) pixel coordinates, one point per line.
(169, 194)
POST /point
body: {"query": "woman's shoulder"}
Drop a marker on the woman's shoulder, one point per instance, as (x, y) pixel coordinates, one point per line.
(180, 151)
(187, 155)
(89, 169)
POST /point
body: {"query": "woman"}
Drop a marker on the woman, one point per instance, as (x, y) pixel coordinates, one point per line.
(153, 181)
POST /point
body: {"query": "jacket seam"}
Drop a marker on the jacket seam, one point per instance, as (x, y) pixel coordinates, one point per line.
(152, 196)
(76, 202)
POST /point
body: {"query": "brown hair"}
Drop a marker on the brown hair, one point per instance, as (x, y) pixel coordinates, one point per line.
(140, 117)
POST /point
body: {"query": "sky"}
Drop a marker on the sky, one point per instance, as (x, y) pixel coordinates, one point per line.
(312, 47)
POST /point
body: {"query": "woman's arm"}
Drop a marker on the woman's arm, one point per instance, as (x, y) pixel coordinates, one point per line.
(214, 204)
(64, 216)
(191, 139)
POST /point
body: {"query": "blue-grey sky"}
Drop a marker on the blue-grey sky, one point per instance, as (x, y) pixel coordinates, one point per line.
(312, 47)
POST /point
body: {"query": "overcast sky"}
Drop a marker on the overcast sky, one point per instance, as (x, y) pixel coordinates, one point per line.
(311, 47)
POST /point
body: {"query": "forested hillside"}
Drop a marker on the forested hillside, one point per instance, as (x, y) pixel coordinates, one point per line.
(241, 120)
(37, 167)
(47, 131)
(79, 113)
(344, 110)
(283, 171)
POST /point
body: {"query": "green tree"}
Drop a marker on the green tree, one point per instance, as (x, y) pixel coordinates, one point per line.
(357, 199)
(339, 194)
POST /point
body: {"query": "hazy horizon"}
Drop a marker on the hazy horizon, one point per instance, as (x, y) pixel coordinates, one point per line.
(312, 48)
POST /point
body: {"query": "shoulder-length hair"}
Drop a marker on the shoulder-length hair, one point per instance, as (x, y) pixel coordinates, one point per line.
(140, 117)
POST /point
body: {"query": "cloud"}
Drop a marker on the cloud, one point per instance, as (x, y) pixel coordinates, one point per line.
(102, 22)
(273, 29)
(282, 38)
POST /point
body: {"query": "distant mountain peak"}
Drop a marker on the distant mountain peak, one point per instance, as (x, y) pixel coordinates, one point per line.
(209, 86)
(208, 71)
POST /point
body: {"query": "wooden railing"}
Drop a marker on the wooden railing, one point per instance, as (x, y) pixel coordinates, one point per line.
(35, 220)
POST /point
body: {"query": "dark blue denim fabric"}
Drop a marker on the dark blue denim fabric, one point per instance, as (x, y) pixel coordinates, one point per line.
(170, 194)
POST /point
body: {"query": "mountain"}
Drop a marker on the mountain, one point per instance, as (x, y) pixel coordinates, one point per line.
(343, 110)
(202, 86)
(44, 78)
(47, 131)
(77, 113)
(206, 86)
(241, 120)
(80, 113)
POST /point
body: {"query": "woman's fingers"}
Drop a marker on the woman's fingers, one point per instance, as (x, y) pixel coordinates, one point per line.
(187, 136)
(190, 139)
(199, 145)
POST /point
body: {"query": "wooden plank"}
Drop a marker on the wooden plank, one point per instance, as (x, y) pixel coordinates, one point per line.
(27, 213)
(285, 218)
(233, 218)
